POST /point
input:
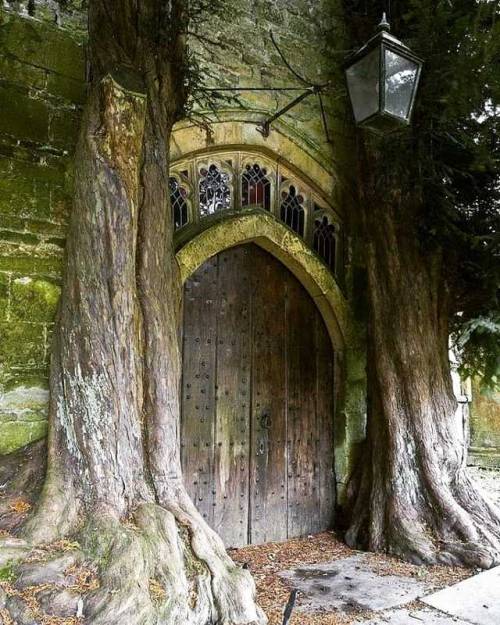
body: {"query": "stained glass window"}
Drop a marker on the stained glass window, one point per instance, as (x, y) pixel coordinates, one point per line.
(178, 201)
(215, 190)
(324, 241)
(255, 187)
(292, 210)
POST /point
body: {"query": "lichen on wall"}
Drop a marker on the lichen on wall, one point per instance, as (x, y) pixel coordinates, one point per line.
(484, 426)
(41, 94)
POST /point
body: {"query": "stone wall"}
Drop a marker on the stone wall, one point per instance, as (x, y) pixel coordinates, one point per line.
(41, 92)
(484, 427)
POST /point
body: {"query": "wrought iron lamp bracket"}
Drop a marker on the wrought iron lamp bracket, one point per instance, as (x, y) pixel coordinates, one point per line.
(307, 90)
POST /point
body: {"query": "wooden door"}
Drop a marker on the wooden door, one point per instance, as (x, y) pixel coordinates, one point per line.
(257, 400)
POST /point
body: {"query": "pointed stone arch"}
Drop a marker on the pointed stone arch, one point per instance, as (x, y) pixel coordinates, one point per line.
(261, 228)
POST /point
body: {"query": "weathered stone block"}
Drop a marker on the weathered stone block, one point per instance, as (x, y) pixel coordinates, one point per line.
(17, 434)
(39, 171)
(33, 300)
(27, 265)
(40, 44)
(21, 344)
(20, 73)
(60, 204)
(23, 116)
(17, 196)
(63, 130)
(45, 227)
(68, 88)
(24, 403)
(4, 295)
(18, 237)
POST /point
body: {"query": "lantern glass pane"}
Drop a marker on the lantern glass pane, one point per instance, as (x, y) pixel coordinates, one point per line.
(363, 85)
(400, 77)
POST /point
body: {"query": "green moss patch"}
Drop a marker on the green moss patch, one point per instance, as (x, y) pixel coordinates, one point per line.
(33, 300)
(17, 434)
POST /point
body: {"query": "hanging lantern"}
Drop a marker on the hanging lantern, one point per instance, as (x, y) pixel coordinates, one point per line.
(382, 80)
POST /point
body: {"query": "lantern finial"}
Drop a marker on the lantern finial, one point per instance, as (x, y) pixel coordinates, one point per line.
(384, 24)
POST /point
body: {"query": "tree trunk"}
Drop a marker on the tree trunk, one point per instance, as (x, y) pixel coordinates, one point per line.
(114, 476)
(412, 495)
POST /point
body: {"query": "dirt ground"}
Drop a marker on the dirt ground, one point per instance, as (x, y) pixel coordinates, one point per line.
(266, 561)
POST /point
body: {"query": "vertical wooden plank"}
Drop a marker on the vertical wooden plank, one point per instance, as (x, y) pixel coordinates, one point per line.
(325, 420)
(198, 386)
(257, 400)
(303, 499)
(268, 501)
(232, 427)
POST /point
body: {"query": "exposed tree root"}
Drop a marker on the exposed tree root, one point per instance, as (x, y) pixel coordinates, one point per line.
(161, 567)
(428, 522)
(21, 478)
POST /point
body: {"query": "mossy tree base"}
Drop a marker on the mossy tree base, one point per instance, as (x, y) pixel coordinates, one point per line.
(151, 568)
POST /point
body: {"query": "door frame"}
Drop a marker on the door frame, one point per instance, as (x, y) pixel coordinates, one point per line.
(259, 227)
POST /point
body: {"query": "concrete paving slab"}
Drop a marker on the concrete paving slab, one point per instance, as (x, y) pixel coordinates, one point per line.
(351, 584)
(415, 617)
(476, 599)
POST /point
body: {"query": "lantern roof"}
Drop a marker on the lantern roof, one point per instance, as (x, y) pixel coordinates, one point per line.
(382, 36)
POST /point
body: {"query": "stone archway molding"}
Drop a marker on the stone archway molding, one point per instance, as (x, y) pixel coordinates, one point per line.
(286, 246)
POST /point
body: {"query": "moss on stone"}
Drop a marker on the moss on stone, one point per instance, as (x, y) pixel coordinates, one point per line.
(17, 434)
(60, 204)
(40, 170)
(68, 88)
(33, 300)
(19, 237)
(63, 128)
(20, 73)
(24, 196)
(22, 344)
(23, 116)
(27, 265)
(4, 296)
(8, 572)
(37, 43)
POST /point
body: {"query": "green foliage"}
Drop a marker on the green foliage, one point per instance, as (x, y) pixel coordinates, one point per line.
(479, 339)
(7, 572)
(447, 165)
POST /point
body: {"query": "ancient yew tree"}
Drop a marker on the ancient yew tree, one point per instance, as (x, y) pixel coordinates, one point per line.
(114, 477)
(428, 218)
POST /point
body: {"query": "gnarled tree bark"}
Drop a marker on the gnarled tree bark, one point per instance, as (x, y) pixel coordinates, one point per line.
(412, 496)
(114, 477)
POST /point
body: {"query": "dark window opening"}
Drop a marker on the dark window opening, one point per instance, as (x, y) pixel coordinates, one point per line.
(178, 201)
(324, 241)
(292, 211)
(256, 187)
